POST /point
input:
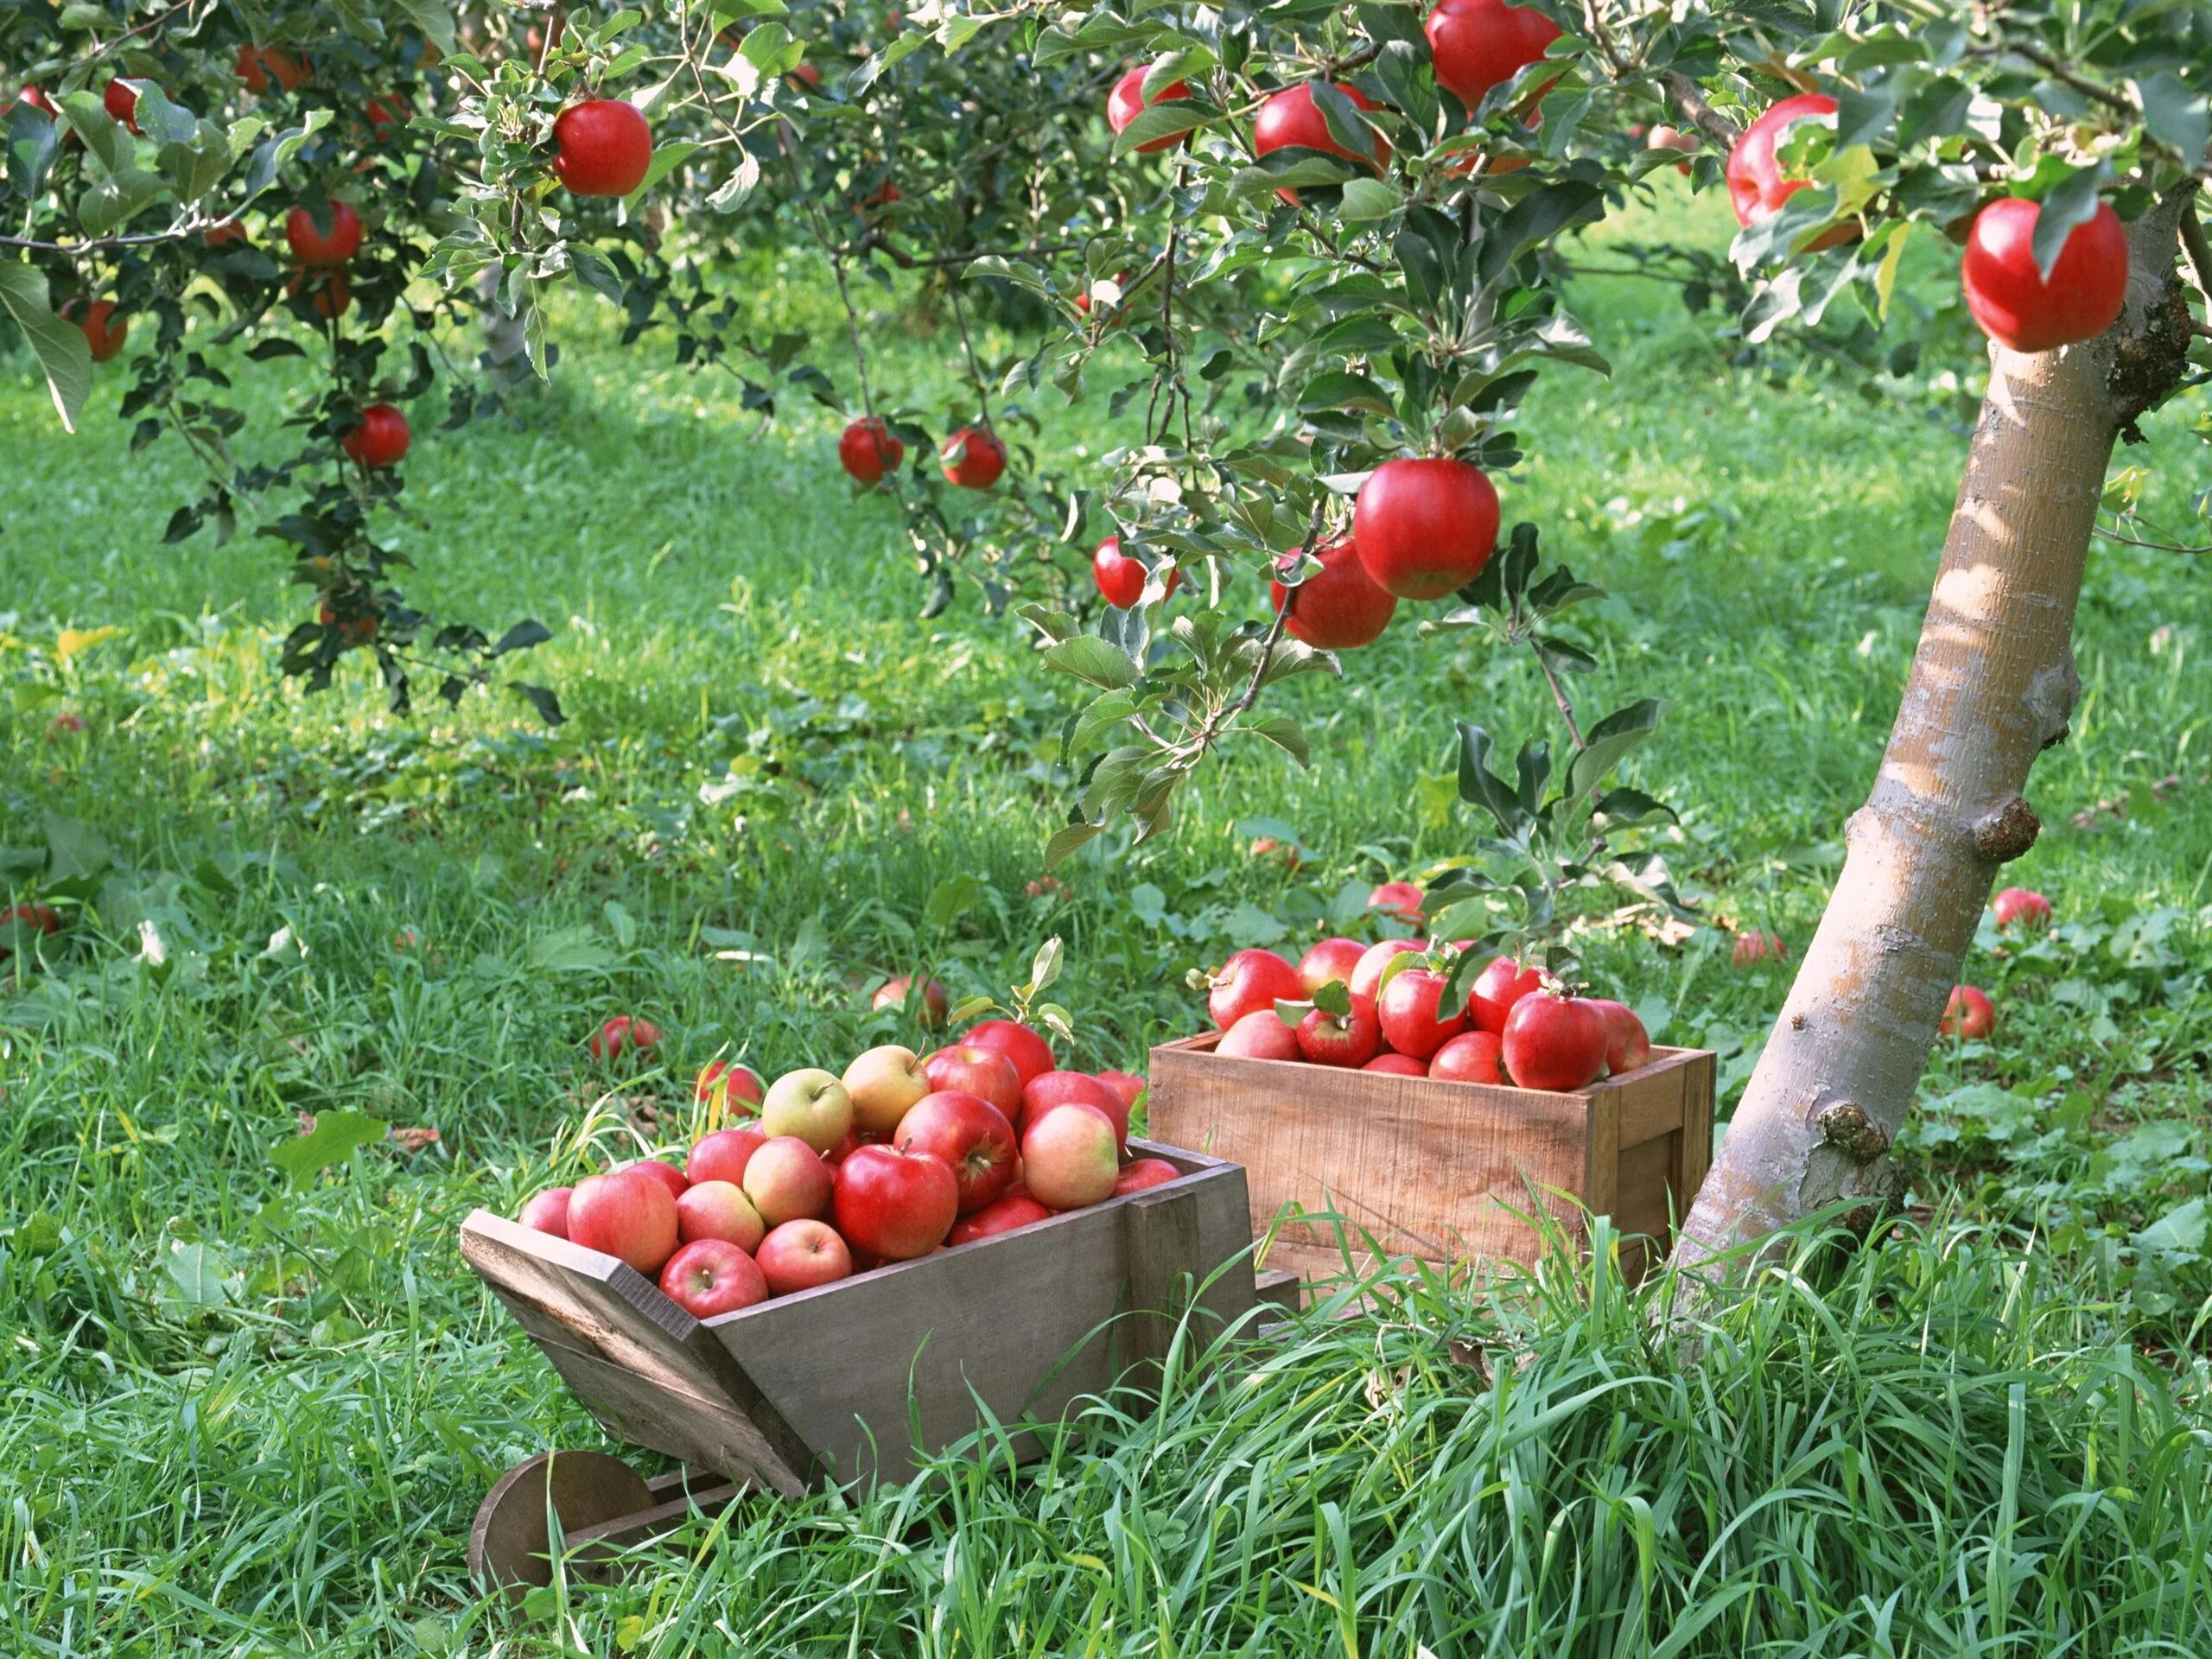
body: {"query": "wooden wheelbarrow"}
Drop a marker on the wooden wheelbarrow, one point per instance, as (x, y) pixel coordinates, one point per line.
(825, 1386)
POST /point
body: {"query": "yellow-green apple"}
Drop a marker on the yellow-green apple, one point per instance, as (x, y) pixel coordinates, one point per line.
(785, 1186)
(1029, 1052)
(1259, 1037)
(1015, 1210)
(625, 1214)
(1069, 1156)
(710, 1276)
(809, 1104)
(970, 1136)
(723, 1155)
(1144, 1172)
(1627, 1045)
(800, 1254)
(883, 1085)
(719, 1210)
(1040, 1094)
(972, 1069)
(896, 1204)
(549, 1211)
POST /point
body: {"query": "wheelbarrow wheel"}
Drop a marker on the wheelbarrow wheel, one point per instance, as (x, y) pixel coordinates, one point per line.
(509, 1546)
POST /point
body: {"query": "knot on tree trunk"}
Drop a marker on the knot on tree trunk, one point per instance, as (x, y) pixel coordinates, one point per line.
(1844, 1125)
(2149, 363)
(2006, 830)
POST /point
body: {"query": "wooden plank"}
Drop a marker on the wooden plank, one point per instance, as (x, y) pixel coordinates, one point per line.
(1694, 1152)
(1023, 1322)
(597, 1307)
(1159, 1244)
(1645, 1202)
(1601, 1153)
(1651, 1103)
(1283, 1288)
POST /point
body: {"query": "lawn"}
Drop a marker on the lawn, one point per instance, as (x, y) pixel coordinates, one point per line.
(248, 1414)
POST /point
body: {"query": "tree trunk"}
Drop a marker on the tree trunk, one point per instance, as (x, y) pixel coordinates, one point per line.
(1992, 684)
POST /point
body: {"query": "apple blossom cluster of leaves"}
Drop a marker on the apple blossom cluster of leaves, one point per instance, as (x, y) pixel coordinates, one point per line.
(1268, 325)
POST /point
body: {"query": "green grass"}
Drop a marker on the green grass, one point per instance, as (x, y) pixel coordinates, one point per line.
(244, 1418)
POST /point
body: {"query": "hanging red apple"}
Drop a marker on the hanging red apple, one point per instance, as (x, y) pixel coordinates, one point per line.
(2008, 295)
(1424, 528)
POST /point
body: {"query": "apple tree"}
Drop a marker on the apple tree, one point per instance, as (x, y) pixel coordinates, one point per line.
(1318, 253)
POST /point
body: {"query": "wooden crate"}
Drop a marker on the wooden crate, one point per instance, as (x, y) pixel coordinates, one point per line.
(818, 1386)
(1435, 1169)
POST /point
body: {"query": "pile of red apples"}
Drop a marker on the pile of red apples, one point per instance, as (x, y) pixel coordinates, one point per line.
(820, 1176)
(1385, 1008)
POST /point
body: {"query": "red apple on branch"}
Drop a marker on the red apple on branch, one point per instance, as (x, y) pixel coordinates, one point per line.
(605, 148)
(317, 248)
(1757, 184)
(2008, 295)
(1338, 607)
(1424, 527)
(380, 440)
(1127, 102)
(866, 450)
(1480, 44)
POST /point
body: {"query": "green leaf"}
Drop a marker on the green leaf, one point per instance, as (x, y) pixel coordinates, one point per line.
(1066, 842)
(950, 899)
(570, 950)
(60, 348)
(666, 159)
(1610, 741)
(74, 850)
(2073, 202)
(1170, 120)
(198, 1271)
(1284, 733)
(336, 1136)
(1090, 658)
(1106, 712)
(2175, 116)
(434, 19)
(1369, 199)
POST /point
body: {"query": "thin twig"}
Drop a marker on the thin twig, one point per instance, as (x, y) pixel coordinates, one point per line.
(968, 351)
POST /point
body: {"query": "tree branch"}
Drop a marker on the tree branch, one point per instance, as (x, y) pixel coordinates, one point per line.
(1707, 119)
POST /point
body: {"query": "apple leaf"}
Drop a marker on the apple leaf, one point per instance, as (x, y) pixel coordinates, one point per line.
(64, 356)
(336, 1136)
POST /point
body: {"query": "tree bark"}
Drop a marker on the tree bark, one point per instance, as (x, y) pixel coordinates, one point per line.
(1992, 684)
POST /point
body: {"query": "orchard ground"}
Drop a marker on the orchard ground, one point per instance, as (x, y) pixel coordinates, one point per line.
(244, 1414)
